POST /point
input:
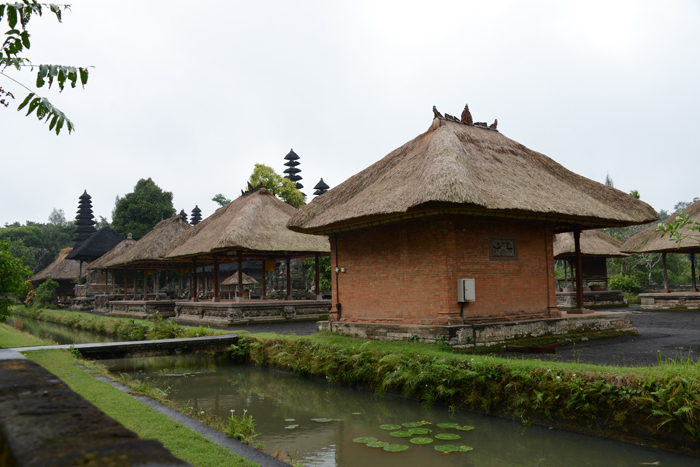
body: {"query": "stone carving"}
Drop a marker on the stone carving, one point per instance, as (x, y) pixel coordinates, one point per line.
(288, 312)
(503, 248)
(233, 314)
(436, 113)
(467, 116)
(494, 125)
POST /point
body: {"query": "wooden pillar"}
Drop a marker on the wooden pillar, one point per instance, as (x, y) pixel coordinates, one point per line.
(693, 288)
(263, 295)
(579, 273)
(179, 284)
(156, 283)
(126, 287)
(145, 284)
(195, 294)
(566, 273)
(80, 273)
(289, 279)
(216, 280)
(663, 256)
(136, 275)
(239, 297)
(317, 280)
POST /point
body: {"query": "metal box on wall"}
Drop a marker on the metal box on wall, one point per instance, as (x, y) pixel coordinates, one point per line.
(466, 290)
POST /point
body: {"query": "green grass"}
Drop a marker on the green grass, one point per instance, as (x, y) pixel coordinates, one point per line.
(146, 422)
(11, 337)
(124, 328)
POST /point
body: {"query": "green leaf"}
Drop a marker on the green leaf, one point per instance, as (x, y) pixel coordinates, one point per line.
(449, 436)
(400, 434)
(11, 16)
(420, 431)
(83, 76)
(448, 425)
(25, 39)
(412, 424)
(364, 440)
(465, 428)
(41, 74)
(447, 448)
(421, 440)
(378, 444)
(56, 10)
(465, 448)
(395, 447)
(25, 101)
(33, 105)
(389, 427)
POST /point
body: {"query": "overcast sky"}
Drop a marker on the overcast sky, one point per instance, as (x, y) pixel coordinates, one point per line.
(193, 94)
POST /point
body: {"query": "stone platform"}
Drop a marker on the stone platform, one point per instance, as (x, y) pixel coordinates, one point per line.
(231, 313)
(678, 301)
(592, 300)
(569, 326)
(142, 308)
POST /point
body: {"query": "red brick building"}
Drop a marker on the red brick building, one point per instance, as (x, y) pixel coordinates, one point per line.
(459, 201)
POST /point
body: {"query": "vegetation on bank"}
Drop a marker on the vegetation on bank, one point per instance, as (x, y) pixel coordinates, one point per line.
(645, 402)
(124, 328)
(181, 441)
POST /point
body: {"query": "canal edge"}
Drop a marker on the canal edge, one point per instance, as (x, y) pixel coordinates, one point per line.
(214, 435)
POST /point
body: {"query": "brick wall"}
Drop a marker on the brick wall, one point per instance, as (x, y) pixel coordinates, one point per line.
(407, 272)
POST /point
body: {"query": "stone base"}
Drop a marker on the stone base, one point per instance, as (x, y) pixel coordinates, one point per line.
(678, 301)
(102, 302)
(142, 308)
(231, 313)
(82, 303)
(592, 300)
(491, 334)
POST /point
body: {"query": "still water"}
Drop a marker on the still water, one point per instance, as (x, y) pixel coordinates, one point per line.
(57, 332)
(279, 401)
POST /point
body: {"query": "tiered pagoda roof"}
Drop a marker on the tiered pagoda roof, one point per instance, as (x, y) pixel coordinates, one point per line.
(85, 220)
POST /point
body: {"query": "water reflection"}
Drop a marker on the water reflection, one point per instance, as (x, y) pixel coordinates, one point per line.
(274, 397)
(57, 332)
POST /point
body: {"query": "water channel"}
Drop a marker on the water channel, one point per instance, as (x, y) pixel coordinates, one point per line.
(317, 421)
(57, 332)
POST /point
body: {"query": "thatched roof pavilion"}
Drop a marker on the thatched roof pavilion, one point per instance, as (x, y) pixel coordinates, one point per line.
(651, 241)
(251, 227)
(460, 200)
(96, 245)
(62, 270)
(233, 280)
(107, 258)
(469, 170)
(593, 243)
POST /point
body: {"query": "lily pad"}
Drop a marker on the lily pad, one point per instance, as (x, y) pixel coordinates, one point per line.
(447, 436)
(357, 413)
(389, 427)
(447, 448)
(420, 431)
(465, 428)
(290, 427)
(421, 440)
(465, 448)
(395, 447)
(412, 424)
(364, 440)
(400, 434)
(324, 420)
(289, 420)
(378, 444)
(448, 425)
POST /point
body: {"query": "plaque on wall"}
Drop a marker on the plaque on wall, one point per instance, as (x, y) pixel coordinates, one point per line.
(503, 248)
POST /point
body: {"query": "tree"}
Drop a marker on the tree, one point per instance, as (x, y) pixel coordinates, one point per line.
(609, 181)
(221, 200)
(138, 212)
(16, 42)
(634, 194)
(12, 278)
(283, 188)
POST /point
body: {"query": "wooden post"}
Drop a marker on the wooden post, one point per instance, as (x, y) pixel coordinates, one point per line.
(195, 297)
(80, 273)
(263, 295)
(289, 279)
(156, 283)
(179, 284)
(663, 256)
(145, 284)
(579, 273)
(126, 287)
(136, 275)
(692, 271)
(566, 273)
(239, 297)
(216, 280)
(317, 281)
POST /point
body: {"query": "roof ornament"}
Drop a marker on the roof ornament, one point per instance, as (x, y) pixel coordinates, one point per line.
(321, 186)
(466, 119)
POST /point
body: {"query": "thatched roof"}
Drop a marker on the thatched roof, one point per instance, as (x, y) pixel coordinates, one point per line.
(471, 170)
(102, 261)
(233, 280)
(61, 268)
(96, 245)
(255, 224)
(149, 249)
(593, 243)
(650, 241)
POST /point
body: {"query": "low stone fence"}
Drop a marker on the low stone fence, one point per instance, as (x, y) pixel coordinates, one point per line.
(43, 422)
(237, 313)
(592, 300)
(677, 301)
(491, 334)
(142, 308)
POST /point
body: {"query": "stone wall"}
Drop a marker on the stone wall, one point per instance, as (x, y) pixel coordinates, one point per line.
(236, 313)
